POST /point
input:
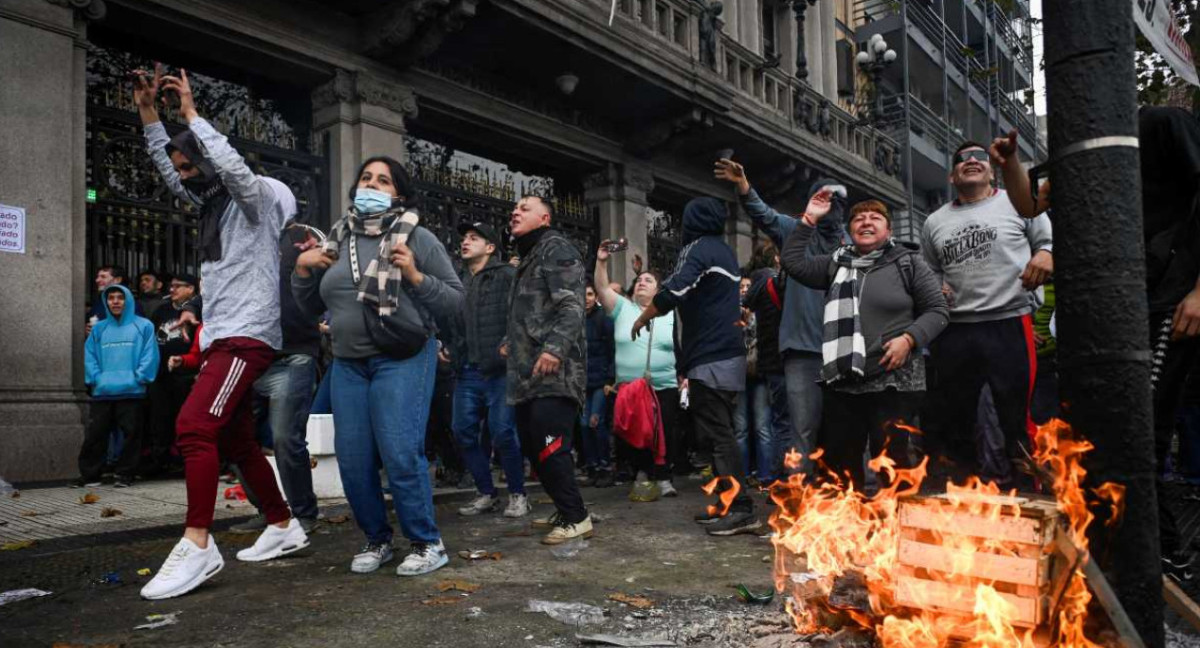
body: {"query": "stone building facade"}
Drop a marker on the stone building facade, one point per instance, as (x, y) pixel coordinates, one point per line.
(621, 122)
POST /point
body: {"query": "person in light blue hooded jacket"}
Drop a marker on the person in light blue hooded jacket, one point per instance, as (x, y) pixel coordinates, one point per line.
(120, 360)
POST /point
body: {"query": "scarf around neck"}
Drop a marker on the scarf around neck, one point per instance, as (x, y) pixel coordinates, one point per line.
(380, 284)
(843, 349)
(207, 190)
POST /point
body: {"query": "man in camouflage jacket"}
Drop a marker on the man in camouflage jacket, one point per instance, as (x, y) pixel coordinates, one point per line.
(546, 354)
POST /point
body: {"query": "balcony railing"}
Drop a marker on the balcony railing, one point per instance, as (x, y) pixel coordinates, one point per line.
(781, 96)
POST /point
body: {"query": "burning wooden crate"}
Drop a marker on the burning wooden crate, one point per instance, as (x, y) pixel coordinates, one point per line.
(948, 547)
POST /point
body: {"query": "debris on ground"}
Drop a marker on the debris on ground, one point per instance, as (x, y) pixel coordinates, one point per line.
(458, 586)
(441, 600)
(111, 578)
(628, 642)
(338, 519)
(235, 493)
(29, 513)
(144, 571)
(474, 612)
(90, 498)
(639, 602)
(109, 511)
(159, 620)
(578, 614)
(20, 544)
(8, 489)
(12, 596)
(569, 549)
(747, 596)
(480, 554)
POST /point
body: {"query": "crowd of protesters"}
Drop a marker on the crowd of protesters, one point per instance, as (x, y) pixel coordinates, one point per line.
(818, 355)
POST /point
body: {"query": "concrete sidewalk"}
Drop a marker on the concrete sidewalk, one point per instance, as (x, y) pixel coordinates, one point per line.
(53, 513)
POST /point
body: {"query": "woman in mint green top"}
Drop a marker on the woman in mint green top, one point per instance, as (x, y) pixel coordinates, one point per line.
(631, 361)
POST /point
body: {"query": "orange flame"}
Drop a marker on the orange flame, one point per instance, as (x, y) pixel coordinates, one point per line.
(825, 529)
(727, 496)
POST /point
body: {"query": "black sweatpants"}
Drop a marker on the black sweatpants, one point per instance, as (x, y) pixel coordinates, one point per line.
(963, 358)
(849, 422)
(439, 436)
(544, 426)
(1177, 360)
(166, 396)
(712, 414)
(103, 416)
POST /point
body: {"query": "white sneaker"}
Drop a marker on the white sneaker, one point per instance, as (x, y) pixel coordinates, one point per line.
(423, 559)
(371, 558)
(481, 504)
(275, 542)
(518, 506)
(667, 488)
(184, 570)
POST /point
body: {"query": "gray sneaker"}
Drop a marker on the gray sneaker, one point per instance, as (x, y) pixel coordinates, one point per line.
(423, 558)
(734, 523)
(481, 504)
(308, 524)
(256, 524)
(371, 558)
(518, 506)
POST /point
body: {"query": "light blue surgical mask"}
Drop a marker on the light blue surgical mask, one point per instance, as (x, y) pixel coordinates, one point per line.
(371, 201)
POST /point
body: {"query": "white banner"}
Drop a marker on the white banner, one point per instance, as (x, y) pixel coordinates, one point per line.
(12, 229)
(1157, 22)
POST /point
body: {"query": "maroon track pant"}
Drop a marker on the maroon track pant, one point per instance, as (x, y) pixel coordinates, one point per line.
(216, 420)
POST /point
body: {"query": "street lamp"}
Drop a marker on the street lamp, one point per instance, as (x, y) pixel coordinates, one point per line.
(873, 60)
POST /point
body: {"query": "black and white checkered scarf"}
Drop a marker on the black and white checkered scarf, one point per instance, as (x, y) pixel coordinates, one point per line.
(843, 350)
(381, 282)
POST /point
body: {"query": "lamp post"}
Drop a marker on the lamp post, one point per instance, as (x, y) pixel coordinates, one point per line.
(799, 7)
(873, 61)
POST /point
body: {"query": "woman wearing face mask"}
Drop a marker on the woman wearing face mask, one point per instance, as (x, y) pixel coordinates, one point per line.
(385, 281)
(882, 306)
(652, 480)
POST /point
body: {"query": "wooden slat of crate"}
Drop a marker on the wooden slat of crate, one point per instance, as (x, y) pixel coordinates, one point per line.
(988, 566)
(926, 594)
(1033, 529)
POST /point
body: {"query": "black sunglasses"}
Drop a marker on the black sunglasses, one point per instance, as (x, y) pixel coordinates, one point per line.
(973, 154)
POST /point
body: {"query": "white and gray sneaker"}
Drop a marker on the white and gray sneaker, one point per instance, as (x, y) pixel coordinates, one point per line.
(423, 558)
(518, 506)
(371, 557)
(481, 504)
(184, 570)
(275, 542)
(667, 488)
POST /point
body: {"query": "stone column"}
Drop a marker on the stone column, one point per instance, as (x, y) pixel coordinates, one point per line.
(814, 45)
(619, 194)
(42, 402)
(361, 116)
(828, 60)
(740, 234)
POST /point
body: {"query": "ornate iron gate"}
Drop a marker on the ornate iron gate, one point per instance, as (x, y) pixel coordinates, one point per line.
(132, 219)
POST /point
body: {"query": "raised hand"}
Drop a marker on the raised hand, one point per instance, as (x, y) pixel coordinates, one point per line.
(1003, 148)
(730, 171)
(183, 90)
(602, 254)
(819, 205)
(146, 90)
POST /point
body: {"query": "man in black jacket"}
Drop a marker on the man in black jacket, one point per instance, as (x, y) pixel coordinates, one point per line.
(705, 289)
(480, 389)
(765, 300)
(601, 376)
(174, 331)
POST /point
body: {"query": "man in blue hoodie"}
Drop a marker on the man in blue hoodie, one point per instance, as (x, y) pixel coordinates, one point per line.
(121, 359)
(704, 287)
(801, 326)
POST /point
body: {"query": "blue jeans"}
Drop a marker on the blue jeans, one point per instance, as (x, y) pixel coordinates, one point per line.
(380, 408)
(802, 370)
(754, 406)
(323, 402)
(781, 422)
(288, 384)
(475, 396)
(597, 441)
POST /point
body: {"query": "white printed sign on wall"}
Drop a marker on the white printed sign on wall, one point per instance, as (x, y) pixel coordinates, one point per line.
(12, 229)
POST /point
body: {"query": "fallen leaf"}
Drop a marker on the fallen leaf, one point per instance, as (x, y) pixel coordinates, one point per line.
(457, 585)
(108, 512)
(442, 600)
(338, 519)
(16, 494)
(20, 544)
(90, 498)
(29, 513)
(495, 555)
(639, 602)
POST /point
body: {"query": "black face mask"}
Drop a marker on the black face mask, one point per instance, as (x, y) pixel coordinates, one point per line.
(208, 189)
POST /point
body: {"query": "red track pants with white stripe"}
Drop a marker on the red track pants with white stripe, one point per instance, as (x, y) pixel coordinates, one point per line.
(216, 420)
